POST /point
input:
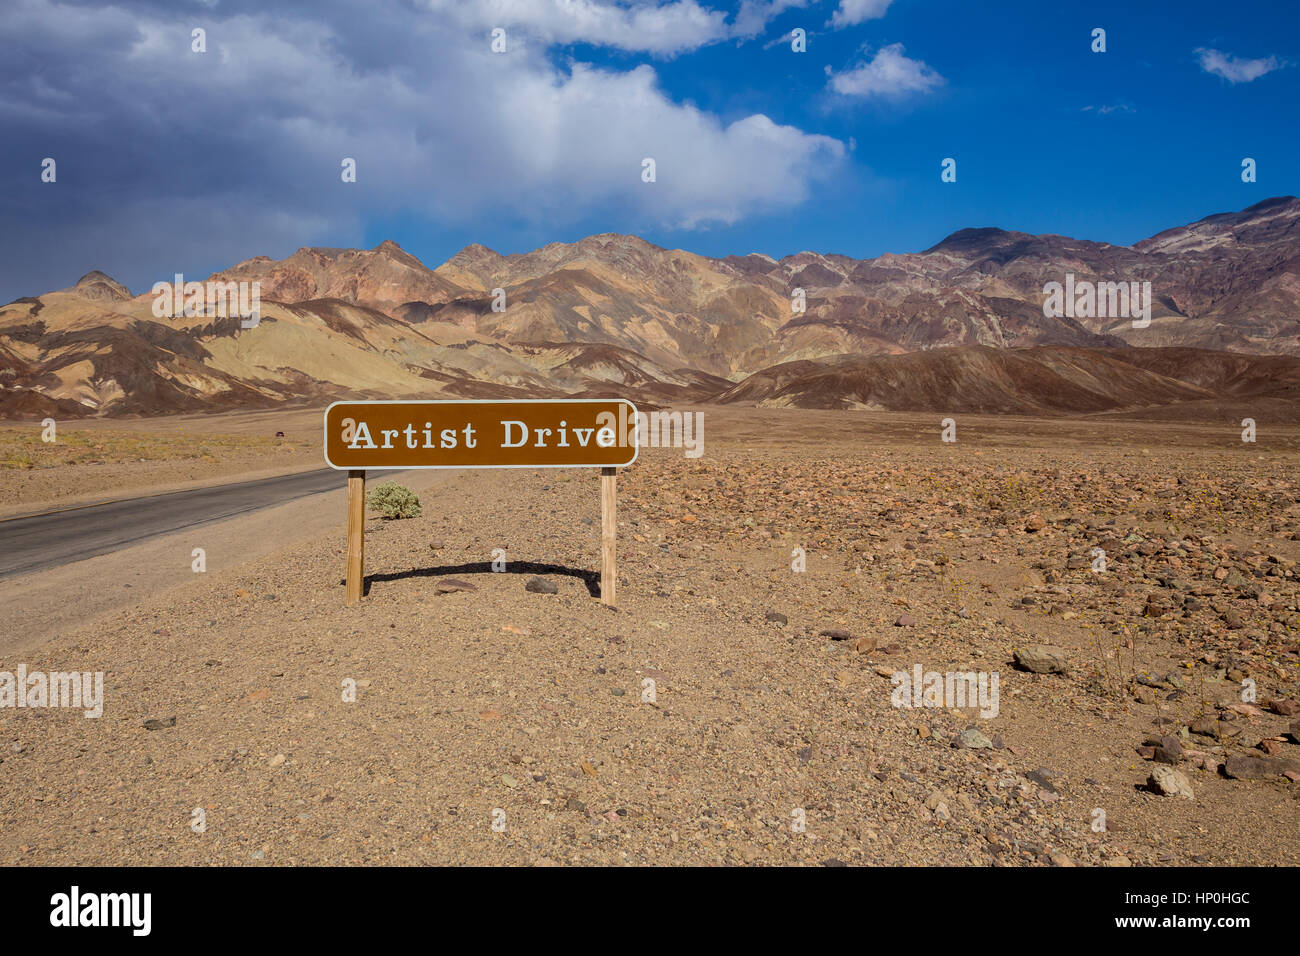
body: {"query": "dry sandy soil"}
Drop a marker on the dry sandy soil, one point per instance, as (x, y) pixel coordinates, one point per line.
(98, 459)
(494, 703)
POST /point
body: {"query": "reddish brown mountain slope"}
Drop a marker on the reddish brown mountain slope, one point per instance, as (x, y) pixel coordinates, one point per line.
(960, 325)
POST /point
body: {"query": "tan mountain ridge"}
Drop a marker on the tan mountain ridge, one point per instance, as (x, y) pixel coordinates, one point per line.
(960, 326)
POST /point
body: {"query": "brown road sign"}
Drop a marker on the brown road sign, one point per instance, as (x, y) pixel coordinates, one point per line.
(540, 433)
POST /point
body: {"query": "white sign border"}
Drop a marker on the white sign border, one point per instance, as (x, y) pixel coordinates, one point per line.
(325, 451)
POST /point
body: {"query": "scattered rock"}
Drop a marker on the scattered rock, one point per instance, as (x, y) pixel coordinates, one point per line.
(936, 799)
(1043, 778)
(1169, 783)
(972, 739)
(1168, 750)
(1042, 659)
(1240, 767)
(451, 585)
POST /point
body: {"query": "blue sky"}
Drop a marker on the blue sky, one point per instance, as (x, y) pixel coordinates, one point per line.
(171, 160)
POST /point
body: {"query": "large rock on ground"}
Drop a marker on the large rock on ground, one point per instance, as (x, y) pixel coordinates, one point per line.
(1250, 768)
(1170, 783)
(1042, 659)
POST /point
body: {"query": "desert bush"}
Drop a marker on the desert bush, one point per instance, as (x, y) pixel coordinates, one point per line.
(394, 501)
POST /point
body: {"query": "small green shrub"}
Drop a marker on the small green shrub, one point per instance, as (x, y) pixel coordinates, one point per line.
(394, 501)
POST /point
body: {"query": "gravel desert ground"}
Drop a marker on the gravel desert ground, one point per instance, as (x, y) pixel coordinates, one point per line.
(740, 705)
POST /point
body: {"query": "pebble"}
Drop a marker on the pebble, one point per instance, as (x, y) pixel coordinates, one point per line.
(451, 585)
(972, 739)
(1044, 778)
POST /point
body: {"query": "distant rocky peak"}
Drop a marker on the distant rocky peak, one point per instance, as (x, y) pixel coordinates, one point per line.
(391, 250)
(1261, 224)
(95, 285)
(475, 253)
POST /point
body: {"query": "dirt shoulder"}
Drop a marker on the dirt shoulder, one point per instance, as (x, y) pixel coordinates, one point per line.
(42, 605)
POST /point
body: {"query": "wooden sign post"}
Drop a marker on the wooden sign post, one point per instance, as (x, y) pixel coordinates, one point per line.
(540, 433)
(608, 534)
(356, 535)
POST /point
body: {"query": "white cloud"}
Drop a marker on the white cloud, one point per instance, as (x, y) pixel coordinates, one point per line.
(658, 27)
(580, 137)
(852, 12)
(754, 15)
(890, 74)
(651, 26)
(1236, 70)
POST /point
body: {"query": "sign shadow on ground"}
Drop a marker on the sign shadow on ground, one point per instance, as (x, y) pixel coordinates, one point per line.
(589, 578)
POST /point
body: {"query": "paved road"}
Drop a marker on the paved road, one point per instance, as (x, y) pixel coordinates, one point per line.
(48, 540)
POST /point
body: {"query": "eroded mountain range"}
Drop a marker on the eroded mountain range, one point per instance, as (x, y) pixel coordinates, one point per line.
(958, 327)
